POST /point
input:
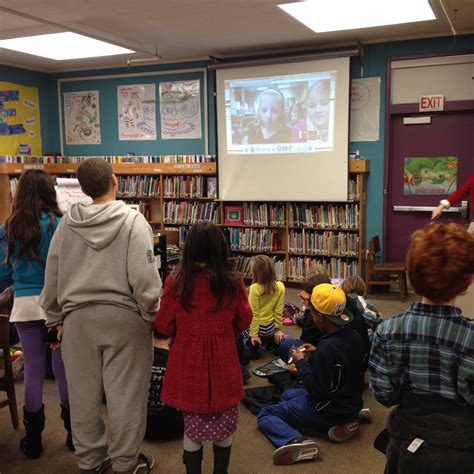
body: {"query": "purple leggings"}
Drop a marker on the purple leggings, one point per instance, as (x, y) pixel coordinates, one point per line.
(32, 335)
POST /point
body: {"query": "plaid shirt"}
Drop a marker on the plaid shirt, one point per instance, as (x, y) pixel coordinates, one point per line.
(426, 350)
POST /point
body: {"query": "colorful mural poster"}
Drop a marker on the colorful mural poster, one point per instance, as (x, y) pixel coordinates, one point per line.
(180, 110)
(137, 112)
(436, 175)
(20, 127)
(82, 118)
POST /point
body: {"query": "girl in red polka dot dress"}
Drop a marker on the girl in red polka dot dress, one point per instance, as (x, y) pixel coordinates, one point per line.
(203, 308)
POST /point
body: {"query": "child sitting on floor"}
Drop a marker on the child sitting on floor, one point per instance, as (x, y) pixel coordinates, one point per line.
(163, 422)
(266, 298)
(355, 290)
(332, 379)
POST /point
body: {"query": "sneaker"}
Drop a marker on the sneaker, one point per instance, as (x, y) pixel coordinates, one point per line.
(300, 449)
(145, 464)
(342, 433)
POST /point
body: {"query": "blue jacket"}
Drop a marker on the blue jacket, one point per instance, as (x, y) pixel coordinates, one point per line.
(27, 274)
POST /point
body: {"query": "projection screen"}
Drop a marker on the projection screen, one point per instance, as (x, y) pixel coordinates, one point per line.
(283, 131)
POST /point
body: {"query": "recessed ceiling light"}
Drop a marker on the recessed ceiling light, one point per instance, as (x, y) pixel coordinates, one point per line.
(336, 15)
(62, 46)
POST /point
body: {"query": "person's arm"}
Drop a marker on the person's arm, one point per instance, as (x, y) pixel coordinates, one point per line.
(384, 380)
(278, 314)
(316, 374)
(6, 270)
(143, 276)
(165, 319)
(49, 296)
(462, 192)
(243, 313)
(254, 301)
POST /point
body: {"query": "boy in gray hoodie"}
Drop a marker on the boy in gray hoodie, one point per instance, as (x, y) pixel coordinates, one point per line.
(101, 293)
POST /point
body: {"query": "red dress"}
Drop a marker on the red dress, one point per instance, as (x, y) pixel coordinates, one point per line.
(462, 192)
(203, 372)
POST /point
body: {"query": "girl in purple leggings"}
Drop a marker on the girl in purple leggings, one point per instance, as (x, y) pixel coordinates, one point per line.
(24, 244)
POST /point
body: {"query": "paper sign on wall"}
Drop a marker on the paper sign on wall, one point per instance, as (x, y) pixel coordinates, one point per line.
(82, 118)
(180, 110)
(20, 129)
(365, 109)
(137, 112)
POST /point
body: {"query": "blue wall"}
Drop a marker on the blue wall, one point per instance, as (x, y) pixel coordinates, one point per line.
(43, 83)
(375, 61)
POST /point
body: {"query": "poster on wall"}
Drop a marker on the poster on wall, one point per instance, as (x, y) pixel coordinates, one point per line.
(136, 112)
(180, 110)
(436, 175)
(20, 128)
(365, 109)
(82, 118)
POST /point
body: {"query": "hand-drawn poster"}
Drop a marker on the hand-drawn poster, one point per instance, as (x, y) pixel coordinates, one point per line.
(20, 128)
(137, 112)
(69, 192)
(436, 175)
(365, 109)
(82, 118)
(180, 110)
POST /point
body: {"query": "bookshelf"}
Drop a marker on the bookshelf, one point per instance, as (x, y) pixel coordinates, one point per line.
(173, 196)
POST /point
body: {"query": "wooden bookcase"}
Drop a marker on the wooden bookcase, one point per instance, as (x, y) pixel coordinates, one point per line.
(175, 196)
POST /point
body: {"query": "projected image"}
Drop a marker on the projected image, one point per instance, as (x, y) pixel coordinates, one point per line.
(283, 114)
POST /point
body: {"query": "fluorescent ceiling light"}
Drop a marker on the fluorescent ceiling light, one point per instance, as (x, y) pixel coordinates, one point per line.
(336, 15)
(61, 46)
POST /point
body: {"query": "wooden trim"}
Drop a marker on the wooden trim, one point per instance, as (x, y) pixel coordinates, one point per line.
(118, 168)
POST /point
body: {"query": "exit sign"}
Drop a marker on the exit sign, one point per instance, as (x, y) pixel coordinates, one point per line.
(431, 103)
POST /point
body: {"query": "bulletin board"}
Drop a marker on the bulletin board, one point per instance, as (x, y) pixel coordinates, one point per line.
(103, 91)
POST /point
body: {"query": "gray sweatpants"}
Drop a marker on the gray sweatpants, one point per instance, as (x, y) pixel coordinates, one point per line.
(107, 349)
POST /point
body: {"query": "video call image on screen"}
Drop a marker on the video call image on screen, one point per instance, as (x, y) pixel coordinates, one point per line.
(280, 114)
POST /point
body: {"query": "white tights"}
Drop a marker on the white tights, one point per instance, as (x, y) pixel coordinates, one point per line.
(191, 445)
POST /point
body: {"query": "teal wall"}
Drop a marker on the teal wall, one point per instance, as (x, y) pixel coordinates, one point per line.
(375, 61)
(42, 82)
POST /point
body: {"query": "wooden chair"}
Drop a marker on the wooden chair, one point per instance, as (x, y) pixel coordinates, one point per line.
(7, 382)
(394, 273)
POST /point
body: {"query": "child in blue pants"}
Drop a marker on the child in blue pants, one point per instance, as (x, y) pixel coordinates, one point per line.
(332, 384)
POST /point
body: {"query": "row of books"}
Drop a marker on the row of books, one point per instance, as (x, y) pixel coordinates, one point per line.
(139, 186)
(111, 159)
(345, 216)
(189, 187)
(299, 267)
(353, 192)
(264, 214)
(190, 212)
(341, 244)
(242, 265)
(254, 240)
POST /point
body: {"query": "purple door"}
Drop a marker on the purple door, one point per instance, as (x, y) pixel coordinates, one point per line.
(448, 135)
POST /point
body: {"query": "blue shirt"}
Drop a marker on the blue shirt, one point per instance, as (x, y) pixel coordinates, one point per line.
(27, 274)
(428, 350)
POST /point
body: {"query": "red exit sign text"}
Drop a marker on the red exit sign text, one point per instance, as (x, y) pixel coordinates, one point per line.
(431, 103)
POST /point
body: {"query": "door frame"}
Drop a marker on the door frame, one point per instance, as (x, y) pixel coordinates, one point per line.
(400, 109)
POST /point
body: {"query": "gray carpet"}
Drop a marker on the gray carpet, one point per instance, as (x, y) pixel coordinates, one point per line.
(251, 451)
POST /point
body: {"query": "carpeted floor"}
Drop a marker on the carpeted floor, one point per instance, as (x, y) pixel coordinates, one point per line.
(251, 452)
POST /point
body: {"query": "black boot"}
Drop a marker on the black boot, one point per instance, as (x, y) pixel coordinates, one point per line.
(66, 417)
(221, 459)
(34, 425)
(192, 460)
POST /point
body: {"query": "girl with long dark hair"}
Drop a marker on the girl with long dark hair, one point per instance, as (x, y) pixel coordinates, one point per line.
(24, 244)
(204, 307)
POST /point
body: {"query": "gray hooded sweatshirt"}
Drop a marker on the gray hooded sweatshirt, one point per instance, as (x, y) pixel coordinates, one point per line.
(101, 254)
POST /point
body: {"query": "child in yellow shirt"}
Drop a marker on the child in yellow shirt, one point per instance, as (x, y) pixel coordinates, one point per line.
(266, 298)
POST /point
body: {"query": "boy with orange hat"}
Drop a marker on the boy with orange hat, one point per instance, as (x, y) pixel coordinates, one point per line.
(332, 384)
